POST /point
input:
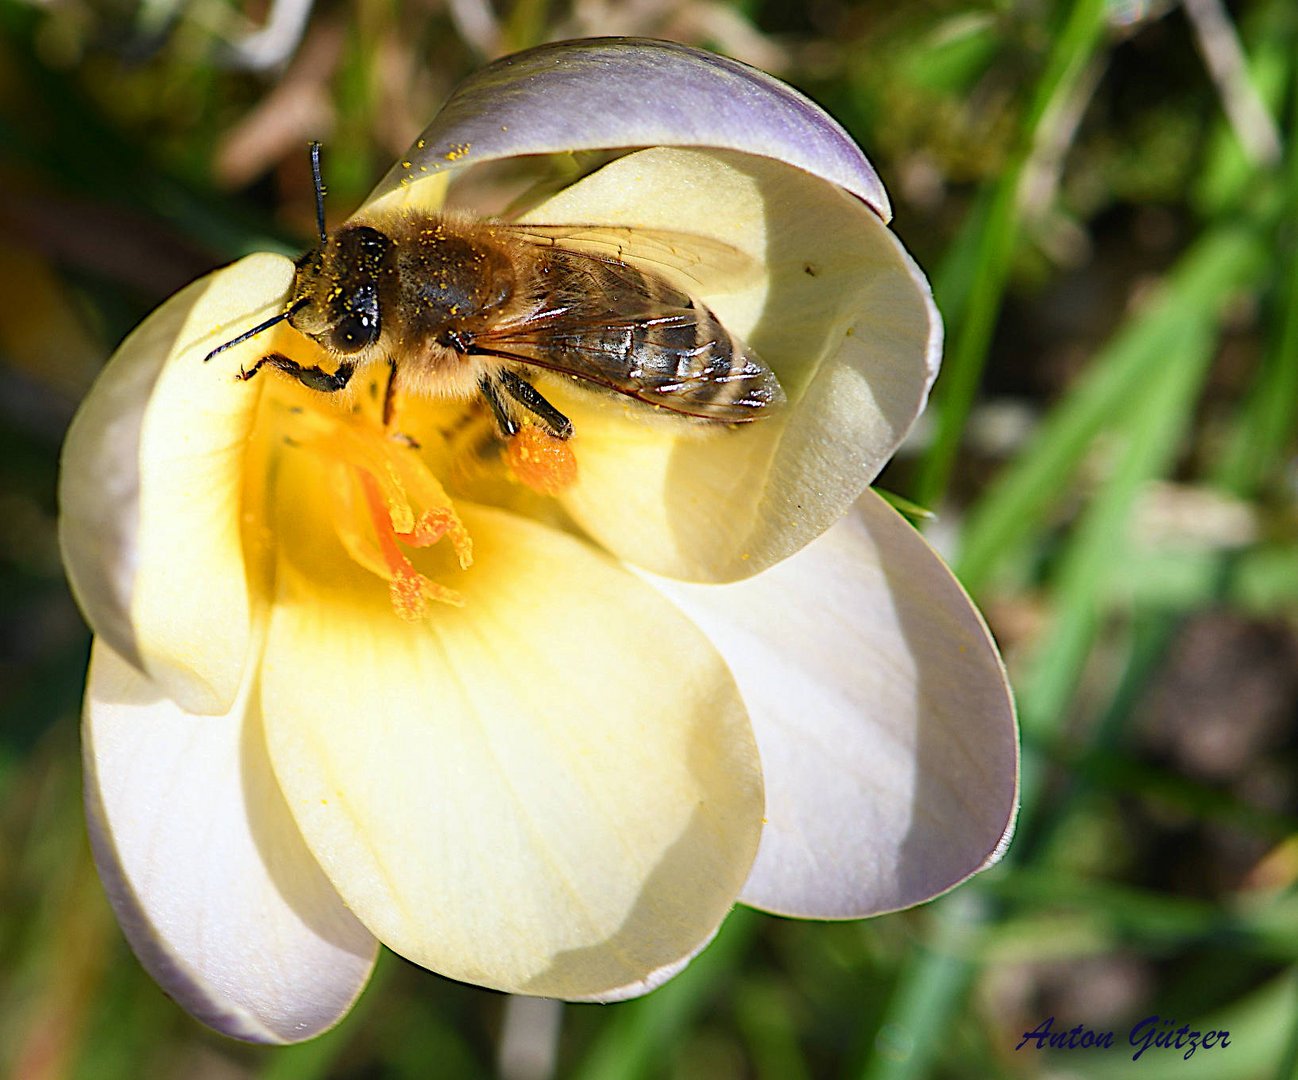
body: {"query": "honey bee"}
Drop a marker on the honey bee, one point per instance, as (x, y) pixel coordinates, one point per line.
(457, 307)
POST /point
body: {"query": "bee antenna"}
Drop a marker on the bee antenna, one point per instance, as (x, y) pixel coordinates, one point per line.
(256, 329)
(318, 181)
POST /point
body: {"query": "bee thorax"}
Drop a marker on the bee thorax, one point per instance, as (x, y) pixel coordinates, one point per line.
(451, 283)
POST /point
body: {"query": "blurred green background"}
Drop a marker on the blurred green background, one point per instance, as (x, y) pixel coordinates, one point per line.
(1106, 197)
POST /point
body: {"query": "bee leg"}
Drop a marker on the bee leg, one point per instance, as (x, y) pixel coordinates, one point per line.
(491, 391)
(390, 394)
(530, 398)
(316, 378)
(390, 409)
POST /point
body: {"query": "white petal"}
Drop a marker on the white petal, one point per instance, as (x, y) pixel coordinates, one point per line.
(882, 714)
(152, 488)
(209, 877)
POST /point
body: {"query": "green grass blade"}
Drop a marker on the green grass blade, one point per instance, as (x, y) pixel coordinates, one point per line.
(1072, 49)
(631, 1043)
(1223, 260)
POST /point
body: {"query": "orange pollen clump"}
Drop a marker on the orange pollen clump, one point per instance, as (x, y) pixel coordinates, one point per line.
(540, 461)
(410, 590)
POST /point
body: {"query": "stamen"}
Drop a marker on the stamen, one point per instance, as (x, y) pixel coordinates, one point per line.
(384, 501)
(410, 590)
(403, 517)
(540, 461)
(341, 438)
(433, 525)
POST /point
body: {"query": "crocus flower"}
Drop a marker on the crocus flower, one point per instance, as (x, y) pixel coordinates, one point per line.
(534, 723)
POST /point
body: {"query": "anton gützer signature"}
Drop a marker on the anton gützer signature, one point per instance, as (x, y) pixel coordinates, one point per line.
(1153, 1032)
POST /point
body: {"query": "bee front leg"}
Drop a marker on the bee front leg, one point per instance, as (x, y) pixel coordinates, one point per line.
(315, 378)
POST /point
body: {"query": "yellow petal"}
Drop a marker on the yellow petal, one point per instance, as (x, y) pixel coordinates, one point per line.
(152, 488)
(841, 314)
(652, 980)
(551, 790)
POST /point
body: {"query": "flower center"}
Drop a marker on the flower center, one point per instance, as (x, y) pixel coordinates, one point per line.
(379, 490)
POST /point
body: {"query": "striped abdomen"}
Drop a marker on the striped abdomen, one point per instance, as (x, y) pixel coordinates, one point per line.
(615, 325)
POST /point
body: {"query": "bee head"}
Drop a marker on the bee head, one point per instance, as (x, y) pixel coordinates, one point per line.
(337, 289)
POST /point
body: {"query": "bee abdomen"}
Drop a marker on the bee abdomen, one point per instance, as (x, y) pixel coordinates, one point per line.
(715, 372)
(661, 345)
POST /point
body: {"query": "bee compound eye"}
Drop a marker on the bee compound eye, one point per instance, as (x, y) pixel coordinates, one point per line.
(355, 332)
(357, 323)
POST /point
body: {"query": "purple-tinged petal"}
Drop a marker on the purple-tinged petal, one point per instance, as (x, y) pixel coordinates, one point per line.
(618, 93)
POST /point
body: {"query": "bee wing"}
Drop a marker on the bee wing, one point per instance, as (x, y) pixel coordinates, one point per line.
(701, 259)
(612, 325)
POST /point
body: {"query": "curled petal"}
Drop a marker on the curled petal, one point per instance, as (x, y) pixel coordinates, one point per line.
(207, 873)
(665, 94)
(550, 790)
(838, 311)
(652, 980)
(883, 716)
(152, 488)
